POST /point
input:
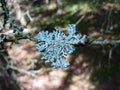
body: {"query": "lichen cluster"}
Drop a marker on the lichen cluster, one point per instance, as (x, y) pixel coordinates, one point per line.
(56, 45)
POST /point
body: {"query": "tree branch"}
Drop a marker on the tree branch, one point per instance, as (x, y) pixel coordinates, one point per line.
(105, 42)
(22, 71)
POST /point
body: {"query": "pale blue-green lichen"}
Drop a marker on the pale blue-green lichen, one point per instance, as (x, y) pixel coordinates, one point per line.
(54, 46)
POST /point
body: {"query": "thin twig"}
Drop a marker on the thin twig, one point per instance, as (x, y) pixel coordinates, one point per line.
(105, 42)
(28, 15)
(22, 71)
(79, 20)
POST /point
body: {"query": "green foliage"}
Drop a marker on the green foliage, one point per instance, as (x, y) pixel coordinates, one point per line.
(108, 72)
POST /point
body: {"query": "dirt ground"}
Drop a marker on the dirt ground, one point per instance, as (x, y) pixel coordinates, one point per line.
(25, 56)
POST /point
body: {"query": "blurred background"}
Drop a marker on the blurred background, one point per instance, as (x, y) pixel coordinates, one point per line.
(92, 67)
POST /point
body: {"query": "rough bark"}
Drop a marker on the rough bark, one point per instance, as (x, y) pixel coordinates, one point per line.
(7, 81)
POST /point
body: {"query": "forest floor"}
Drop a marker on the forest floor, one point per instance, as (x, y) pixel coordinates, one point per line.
(89, 67)
(25, 55)
(36, 75)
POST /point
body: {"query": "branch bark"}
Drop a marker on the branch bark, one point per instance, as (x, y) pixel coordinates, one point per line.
(105, 42)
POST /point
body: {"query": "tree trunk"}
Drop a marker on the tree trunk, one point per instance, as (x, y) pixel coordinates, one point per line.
(7, 81)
